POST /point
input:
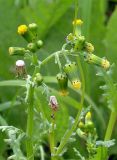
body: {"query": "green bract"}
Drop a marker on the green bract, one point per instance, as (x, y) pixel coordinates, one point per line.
(62, 82)
(71, 69)
(17, 51)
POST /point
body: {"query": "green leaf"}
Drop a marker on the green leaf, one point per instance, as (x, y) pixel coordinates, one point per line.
(19, 83)
(7, 105)
(101, 154)
(45, 13)
(111, 40)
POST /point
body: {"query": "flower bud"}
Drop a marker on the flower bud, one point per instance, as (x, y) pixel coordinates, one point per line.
(81, 125)
(62, 82)
(79, 43)
(71, 69)
(20, 68)
(78, 22)
(91, 58)
(70, 37)
(38, 79)
(32, 47)
(89, 47)
(33, 27)
(17, 51)
(89, 126)
(39, 43)
(53, 103)
(88, 116)
(105, 64)
(24, 31)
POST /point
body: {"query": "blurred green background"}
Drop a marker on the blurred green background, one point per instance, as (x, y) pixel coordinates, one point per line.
(54, 18)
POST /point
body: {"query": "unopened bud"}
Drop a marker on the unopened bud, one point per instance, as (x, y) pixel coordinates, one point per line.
(88, 116)
(32, 47)
(89, 126)
(79, 43)
(89, 47)
(39, 43)
(105, 64)
(81, 125)
(17, 51)
(38, 79)
(91, 58)
(78, 22)
(33, 27)
(70, 37)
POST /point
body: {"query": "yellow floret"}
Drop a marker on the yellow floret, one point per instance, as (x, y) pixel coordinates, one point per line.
(76, 84)
(105, 64)
(89, 47)
(88, 115)
(63, 93)
(11, 50)
(22, 29)
(77, 22)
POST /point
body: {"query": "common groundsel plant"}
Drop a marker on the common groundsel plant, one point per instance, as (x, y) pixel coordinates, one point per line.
(76, 47)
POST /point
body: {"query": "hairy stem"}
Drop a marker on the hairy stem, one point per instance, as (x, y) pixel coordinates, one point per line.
(29, 143)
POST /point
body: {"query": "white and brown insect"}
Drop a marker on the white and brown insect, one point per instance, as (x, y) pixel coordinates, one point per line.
(53, 103)
(20, 68)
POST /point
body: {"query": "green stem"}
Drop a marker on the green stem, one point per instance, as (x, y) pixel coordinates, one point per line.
(111, 124)
(42, 153)
(69, 133)
(58, 61)
(75, 15)
(29, 143)
(52, 140)
(51, 56)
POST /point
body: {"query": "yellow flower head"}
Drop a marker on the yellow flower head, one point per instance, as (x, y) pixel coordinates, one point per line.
(88, 115)
(22, 29)
(63, 93)
(78, 22)
(76, 84)
(105, 64)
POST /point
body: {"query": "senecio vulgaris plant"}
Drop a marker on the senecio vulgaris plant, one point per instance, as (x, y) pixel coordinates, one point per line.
(77, 46)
